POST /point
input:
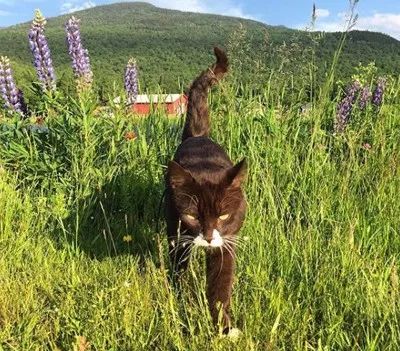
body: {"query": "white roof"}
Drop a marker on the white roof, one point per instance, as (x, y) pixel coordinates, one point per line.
(155, 98)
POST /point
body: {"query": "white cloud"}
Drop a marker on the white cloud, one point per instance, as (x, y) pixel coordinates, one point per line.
(381, 22)
(188, 5)
(388, 23)
(4, 13)
(73, 6)
(221, 7)
(334, 26)
(322, 13)
(238, 12)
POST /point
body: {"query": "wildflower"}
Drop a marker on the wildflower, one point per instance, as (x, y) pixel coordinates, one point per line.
(345, 107)
(131, 81)
(377, 96)
(41, 52)
(79, 55)
(127, 238)
(39, 120)
(21, 99)
(365, 97)
(13, 97)
(130, 135)
(367, 146)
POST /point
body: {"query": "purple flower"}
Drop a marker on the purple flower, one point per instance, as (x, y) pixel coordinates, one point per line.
(13, 98)
(79, 55)
(345, 107)
(131, 81)
(365, 97)
(377, 96)
(41, 53)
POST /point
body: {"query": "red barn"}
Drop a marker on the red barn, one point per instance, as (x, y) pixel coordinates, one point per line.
(173, 104)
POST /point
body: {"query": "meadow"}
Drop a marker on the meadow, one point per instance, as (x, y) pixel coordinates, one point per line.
(83, 252)
(83, 261)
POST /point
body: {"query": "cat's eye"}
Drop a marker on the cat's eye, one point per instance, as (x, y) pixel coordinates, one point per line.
(224, 217)
(190, 217)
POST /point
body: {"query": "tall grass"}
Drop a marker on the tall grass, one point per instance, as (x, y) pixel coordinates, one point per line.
(318, 271)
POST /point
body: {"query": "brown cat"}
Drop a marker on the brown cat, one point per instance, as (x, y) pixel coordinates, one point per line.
(205, 205)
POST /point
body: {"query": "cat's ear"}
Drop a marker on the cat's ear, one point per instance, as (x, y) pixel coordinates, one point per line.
(237, 174)
(177, 175)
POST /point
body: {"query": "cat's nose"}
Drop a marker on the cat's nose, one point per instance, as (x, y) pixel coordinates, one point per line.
(208, 238)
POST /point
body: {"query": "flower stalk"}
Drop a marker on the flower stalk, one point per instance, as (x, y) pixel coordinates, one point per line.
(377, 96)
(365, 97)
(12, 96)
(345, 107)
(131, 81)
(41, 53)
(79, 55)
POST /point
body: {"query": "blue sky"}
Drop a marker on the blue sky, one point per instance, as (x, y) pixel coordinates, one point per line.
(378, 15)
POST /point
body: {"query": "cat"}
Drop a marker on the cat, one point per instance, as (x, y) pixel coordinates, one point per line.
(205, 205)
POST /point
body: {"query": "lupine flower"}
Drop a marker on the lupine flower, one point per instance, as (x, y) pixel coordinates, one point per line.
(21, 99)
(13, 99)
(79, 55)
(41, 52)
(345, 107)
(365, 97)
(377, 96)
(131, 80)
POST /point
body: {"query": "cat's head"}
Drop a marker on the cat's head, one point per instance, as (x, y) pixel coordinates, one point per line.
(211, 209)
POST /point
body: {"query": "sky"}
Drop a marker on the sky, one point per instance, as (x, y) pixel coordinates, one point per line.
(378, 15)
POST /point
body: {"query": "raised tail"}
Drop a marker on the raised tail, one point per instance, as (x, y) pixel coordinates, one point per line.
(197, 118)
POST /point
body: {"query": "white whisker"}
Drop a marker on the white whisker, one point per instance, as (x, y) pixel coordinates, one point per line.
(230, 250)
(181, 244)
(222, 259)
(186, 254)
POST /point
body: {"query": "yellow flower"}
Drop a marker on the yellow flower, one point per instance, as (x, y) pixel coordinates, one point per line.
(127, 238)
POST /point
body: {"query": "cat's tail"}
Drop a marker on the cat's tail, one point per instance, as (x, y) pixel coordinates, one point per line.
(197, 118)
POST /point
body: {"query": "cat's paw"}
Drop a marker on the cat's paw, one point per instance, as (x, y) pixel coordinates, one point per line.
(232, 333)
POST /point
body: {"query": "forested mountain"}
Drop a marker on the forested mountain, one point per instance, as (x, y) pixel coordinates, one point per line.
(171, 46)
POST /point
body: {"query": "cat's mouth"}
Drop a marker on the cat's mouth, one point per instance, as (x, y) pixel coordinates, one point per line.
(216, 240)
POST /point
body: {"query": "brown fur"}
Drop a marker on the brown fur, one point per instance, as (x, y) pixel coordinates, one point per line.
(197, 119)
(203, 182)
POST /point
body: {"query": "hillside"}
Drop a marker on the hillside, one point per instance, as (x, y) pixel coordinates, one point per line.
(171, 46)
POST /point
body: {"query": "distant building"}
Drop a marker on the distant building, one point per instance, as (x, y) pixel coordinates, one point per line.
(173, 104)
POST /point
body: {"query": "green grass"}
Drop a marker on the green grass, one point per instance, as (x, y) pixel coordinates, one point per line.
(318, 271)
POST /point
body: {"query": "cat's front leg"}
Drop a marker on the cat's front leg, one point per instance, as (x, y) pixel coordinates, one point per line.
(220, 271)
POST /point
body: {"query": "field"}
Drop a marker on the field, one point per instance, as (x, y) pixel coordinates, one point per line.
(83, 253)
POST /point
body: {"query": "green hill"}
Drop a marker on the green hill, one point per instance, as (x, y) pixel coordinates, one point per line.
(171, 46)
